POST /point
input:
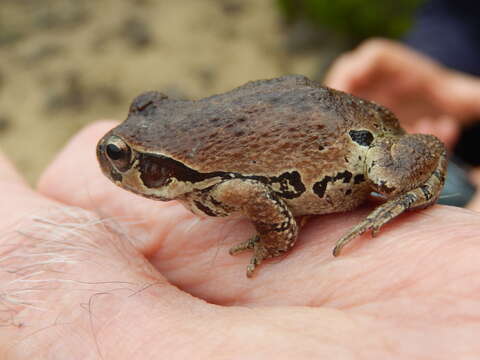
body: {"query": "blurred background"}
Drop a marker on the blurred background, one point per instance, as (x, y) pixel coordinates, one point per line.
(65, 63)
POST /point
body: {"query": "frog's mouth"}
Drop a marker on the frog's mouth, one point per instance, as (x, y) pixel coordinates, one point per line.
(145, 192)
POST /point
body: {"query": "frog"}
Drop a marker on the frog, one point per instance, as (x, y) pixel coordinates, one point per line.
(276, 151)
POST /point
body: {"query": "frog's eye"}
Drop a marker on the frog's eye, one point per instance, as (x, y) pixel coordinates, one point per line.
(119, 153)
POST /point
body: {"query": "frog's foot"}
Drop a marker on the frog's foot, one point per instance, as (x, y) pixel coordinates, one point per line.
(259, 252)
(275, 225)
(380, 216)
(243, 246)
(390, 171)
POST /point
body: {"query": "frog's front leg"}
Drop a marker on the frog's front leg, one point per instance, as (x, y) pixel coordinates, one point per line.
(409, 171)
(275, 225)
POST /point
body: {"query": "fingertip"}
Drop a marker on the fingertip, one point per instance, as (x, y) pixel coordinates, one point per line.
(450, 130)
(423, 125)
(341, 75)
(444, 127)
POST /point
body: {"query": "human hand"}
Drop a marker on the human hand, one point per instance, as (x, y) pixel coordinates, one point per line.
(425, 96)
(150, 280)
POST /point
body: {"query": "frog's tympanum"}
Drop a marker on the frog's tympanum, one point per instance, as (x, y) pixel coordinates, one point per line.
(273, 150)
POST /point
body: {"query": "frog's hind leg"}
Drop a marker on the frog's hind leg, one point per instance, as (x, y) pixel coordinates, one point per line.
(275, 225)
(409, 171)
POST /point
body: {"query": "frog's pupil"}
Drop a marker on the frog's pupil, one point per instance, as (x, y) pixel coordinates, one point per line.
(114, 152)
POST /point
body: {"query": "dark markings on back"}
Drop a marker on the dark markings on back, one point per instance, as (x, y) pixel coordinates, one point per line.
(290, 183)
(361, 137)
(320, 187)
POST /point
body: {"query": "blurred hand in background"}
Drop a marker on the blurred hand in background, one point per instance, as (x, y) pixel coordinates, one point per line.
(426, 97)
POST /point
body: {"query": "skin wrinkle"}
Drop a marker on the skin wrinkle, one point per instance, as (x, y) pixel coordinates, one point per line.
(416, 324)
(353, 322)
(415, 275)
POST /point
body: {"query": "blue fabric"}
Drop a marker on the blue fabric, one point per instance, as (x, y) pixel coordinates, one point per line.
(449, 31)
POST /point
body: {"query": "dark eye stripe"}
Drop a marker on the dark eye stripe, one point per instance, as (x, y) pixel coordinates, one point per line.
(155, 170)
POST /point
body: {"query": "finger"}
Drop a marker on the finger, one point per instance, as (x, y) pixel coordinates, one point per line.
(350, 73)
(461, 99)
(448, 130)
(444, 127)
(355, 71)
(340, 75)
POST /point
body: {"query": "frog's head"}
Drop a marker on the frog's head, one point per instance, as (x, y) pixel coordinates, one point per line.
(130, 155)
(148, 174)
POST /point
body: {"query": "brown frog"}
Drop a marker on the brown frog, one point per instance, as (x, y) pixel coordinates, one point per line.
(273, 150)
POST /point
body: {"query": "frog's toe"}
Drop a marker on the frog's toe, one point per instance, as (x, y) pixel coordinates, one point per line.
(379, 217)
(245, 245)
(250, 269)
(375, 229)
(353, 233)
(260, 253)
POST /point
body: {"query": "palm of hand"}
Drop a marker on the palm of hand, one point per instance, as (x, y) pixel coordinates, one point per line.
(404, 293)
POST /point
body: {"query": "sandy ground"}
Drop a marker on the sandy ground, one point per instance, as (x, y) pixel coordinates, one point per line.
(66, 63)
